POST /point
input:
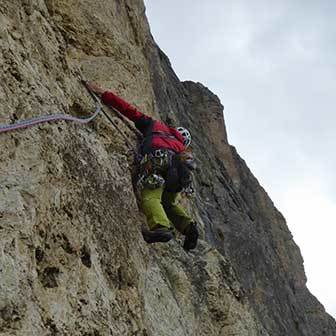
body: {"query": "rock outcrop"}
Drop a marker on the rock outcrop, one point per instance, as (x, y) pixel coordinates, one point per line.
(72, 259)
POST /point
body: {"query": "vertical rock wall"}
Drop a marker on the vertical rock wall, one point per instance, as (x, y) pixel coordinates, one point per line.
(72, 259)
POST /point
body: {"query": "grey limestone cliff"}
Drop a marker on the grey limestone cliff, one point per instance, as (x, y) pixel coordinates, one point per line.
(72, 258)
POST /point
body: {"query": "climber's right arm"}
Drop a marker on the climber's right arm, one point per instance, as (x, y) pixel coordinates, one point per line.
(129, 111)
(142, 121)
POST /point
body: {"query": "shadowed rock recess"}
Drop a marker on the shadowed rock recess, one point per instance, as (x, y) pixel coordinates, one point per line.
(72, 259)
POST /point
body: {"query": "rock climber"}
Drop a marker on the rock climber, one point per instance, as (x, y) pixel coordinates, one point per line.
(165, 170)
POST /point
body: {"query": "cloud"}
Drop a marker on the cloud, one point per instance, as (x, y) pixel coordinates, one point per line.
(310, 215)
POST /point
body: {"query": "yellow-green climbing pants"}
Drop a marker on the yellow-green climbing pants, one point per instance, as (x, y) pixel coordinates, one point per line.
(161, 208)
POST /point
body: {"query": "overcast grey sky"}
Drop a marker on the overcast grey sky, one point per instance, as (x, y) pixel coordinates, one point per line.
(273, 65)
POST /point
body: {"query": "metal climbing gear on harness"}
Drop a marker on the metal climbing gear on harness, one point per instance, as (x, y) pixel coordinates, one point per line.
(153, 181)
(160, 158)
(188, 191)
(164, 167)
(154, 167)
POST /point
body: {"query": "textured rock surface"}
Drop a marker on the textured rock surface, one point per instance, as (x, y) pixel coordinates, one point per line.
(72, 260)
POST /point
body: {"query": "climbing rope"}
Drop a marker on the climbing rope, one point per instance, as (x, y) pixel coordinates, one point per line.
(50, 118)
(67, 117)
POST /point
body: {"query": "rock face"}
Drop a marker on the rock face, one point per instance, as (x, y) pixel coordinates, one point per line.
(72, 259)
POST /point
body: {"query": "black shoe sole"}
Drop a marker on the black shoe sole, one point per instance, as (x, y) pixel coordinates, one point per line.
(157, 236)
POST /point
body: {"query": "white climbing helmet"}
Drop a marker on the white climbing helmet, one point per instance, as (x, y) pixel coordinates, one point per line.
(186, 136)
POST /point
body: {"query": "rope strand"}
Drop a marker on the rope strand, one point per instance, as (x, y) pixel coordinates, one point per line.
(49, 118)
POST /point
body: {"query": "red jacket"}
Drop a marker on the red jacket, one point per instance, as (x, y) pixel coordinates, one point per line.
(156, 134)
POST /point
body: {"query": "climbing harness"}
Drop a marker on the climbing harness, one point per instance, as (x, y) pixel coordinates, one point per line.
(153, 167)
(163, 167)
(50, 118)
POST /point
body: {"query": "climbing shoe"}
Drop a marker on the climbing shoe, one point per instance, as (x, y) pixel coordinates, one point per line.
(158, 235)
(191, 236)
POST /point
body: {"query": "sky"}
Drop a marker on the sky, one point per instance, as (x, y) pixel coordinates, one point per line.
(273, 65)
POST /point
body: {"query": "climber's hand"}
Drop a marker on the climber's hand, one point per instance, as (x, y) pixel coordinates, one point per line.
(94, 87)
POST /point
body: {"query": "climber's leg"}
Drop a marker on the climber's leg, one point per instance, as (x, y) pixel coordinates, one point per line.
(181, 220)
(153, 209)
(175, 212)
(158, 222)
